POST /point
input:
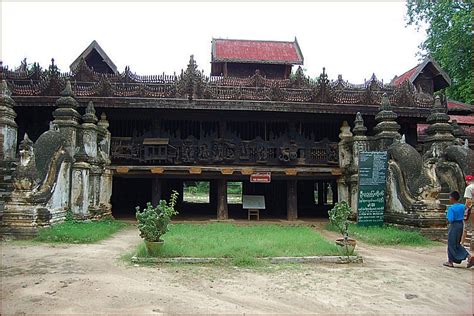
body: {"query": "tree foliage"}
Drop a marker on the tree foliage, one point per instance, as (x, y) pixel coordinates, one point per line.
(448, 41)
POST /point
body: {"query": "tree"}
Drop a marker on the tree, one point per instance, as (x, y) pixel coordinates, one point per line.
(448, 41)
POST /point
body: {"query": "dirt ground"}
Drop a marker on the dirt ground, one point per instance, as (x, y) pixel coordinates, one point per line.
(67, 279)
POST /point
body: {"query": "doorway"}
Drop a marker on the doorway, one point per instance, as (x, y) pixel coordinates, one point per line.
(128, 193)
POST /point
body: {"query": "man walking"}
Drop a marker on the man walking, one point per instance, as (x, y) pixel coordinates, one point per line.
(468, 194)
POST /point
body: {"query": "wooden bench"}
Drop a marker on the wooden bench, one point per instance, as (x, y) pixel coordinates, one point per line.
(254, 212)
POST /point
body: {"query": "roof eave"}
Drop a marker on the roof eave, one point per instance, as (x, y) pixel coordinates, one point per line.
(299, 52)
(257, 61)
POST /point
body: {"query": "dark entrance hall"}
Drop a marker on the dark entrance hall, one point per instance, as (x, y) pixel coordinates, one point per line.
(198, 198)
(127, 193)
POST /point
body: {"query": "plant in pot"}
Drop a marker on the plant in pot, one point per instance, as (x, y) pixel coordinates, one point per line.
(153, 222)
(339, 218)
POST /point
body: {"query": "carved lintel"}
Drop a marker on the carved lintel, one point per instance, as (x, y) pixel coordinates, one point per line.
(227, 171)
(157, 170)
(195, 170)
(246, 172)
(122, 169)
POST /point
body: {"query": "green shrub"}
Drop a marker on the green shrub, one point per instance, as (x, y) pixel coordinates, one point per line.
(153, 221)
(339, 217)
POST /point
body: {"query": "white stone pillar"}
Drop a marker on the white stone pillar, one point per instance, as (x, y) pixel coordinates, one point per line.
(8, 127)
(80, 190)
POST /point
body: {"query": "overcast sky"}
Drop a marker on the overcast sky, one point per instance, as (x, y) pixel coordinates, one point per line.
(352, 39)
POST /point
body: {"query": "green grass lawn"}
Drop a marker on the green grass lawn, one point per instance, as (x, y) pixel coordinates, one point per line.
(79, 232)
(386, 236)
(242, 243)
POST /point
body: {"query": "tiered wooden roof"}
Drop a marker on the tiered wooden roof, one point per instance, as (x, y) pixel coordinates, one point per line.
(192, 84)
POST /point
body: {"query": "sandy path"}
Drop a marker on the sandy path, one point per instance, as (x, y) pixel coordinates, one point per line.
(45, 279)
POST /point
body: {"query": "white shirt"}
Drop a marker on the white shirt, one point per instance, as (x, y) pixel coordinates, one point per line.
(469, 191)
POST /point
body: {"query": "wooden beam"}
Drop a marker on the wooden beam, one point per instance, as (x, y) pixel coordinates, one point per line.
(155, 191)
(222, 209)
(292, 200)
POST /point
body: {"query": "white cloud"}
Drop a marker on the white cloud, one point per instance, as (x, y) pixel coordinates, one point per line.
(352, 39)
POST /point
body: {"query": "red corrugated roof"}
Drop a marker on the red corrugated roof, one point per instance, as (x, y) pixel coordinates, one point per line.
(468, 130)
(459, 105)
(405, 76)
(463, 119)
(256, 51)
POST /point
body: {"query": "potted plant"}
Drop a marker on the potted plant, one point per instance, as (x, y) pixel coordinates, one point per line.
(339, 218)
(153, 222)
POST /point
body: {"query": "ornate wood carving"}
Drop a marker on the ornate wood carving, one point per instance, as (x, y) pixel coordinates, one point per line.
(192, 84)
(219, 150)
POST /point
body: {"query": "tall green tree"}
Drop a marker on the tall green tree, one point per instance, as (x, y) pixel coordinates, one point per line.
(448, 41)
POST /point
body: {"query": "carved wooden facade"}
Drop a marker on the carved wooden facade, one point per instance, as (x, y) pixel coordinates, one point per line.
(156, 151)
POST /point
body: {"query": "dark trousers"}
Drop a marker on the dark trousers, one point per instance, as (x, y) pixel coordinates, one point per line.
(456, 252)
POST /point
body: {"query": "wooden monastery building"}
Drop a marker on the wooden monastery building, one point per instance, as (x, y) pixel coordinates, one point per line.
(255, 115)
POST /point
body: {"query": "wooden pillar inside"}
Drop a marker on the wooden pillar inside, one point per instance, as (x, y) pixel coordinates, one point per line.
(222, 210)
(155, 191)
(213, 194)
(292, 200)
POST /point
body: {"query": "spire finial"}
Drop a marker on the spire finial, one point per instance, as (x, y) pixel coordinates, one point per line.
(67, 92)
(385, 103)
(359, 127)
(89, 116)
(4, 91)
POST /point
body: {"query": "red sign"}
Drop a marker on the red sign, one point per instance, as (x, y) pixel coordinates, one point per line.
(261, 177)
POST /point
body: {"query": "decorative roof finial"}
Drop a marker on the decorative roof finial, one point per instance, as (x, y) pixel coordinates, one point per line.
(103, 121)
(359, 127)
(4, 91)
(438, 106)
(89, 116)
(385, 103)
(387, 127)
(458, 131)
(25, 143)
(345, 131)
(439, 129)
(67, 92)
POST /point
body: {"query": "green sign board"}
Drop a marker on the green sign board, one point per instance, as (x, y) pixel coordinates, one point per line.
(372, 184)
